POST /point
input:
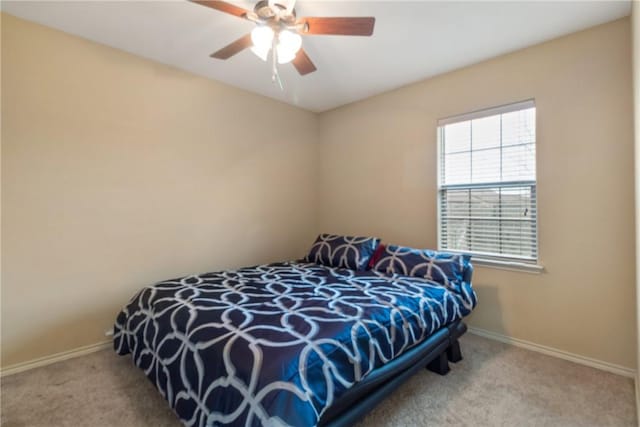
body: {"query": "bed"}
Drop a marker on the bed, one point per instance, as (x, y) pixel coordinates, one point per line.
(291, 343)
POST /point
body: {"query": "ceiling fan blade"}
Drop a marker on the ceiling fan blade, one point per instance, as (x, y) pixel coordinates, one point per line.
(236, 47)
(303, 64)
(223, 6)
(361, 26)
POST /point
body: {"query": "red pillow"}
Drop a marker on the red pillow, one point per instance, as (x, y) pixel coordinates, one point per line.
(376, 255)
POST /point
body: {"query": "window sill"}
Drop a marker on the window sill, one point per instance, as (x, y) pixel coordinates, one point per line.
(507, 265)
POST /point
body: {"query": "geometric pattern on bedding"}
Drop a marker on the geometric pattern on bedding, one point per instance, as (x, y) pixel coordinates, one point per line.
(343, 251)
(442, 267)
(276, 344)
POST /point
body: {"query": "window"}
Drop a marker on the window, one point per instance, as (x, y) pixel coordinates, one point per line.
(487, 184)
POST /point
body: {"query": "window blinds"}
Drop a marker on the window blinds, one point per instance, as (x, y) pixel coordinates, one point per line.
(487, 182)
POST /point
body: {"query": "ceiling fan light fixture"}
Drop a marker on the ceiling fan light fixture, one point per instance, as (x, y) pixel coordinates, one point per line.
(285, 56)
(262, 37)
(261, 53)
(289, 43)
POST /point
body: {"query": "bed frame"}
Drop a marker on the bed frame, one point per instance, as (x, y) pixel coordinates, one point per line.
(434, 353)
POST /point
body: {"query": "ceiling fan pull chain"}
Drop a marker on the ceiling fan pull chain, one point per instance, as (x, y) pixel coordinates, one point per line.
(279, 82)
(275, 76)
(274, 59)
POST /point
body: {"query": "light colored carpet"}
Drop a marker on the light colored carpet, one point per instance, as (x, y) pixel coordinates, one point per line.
(495, 385)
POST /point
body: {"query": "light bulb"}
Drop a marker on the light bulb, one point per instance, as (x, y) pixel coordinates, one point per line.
(289, 43)
(285, 56)
(261, 52)
(262, 37)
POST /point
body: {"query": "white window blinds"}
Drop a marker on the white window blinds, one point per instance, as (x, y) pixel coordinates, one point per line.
(487, 183)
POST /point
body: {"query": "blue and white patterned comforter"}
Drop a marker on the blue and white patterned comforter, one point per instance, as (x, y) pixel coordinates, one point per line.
(276, 344)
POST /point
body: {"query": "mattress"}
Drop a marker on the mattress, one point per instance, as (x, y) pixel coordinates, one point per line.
(277, 344)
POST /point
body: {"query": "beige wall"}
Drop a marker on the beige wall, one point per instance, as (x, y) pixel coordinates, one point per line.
(117, 171)
(0, 193)
(635, 29)
(378, 176)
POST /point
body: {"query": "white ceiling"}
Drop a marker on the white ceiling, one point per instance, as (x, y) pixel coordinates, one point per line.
(412, 40)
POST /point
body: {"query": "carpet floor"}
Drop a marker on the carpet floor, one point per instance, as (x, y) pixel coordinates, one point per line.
(495, 385)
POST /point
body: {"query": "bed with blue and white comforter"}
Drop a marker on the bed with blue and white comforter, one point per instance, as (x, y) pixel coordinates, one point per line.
(277, 344)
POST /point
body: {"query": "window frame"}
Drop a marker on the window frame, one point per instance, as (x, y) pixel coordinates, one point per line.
(496, 261)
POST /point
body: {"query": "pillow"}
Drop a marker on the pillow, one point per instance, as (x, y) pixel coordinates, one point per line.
(376, 256)
(442, 267)
(349, 252)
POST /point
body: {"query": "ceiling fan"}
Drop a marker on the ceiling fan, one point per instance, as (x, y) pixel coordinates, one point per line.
(278, 31)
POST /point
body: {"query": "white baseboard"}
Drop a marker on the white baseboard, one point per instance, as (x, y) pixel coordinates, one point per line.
(560, 354)
(58, 357)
